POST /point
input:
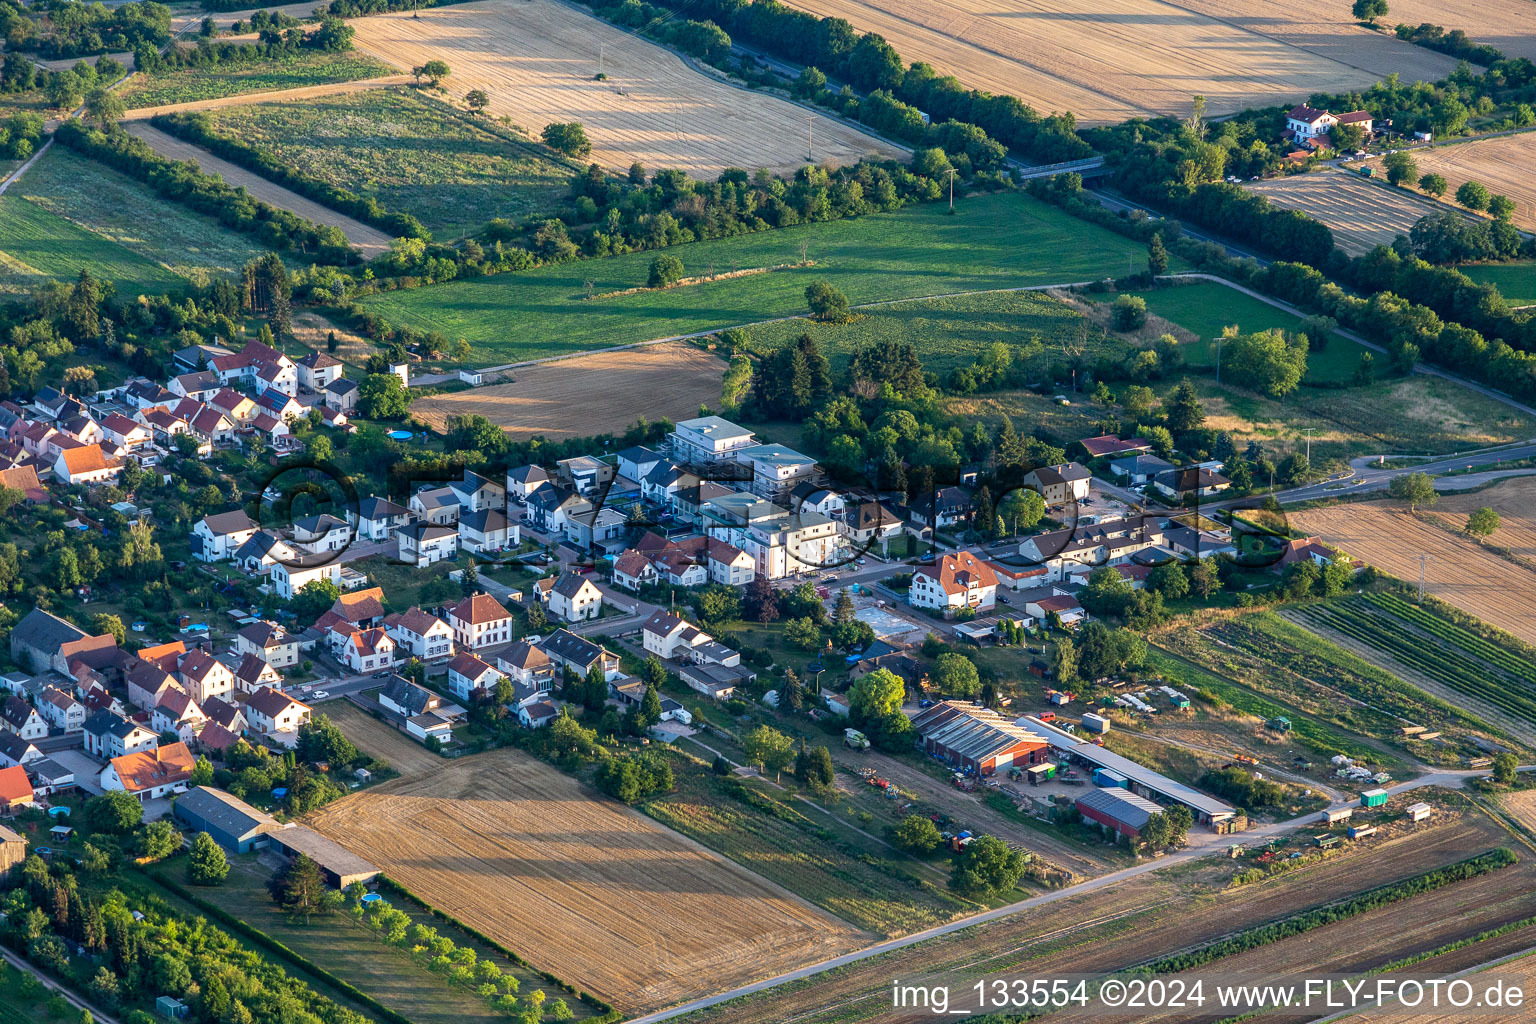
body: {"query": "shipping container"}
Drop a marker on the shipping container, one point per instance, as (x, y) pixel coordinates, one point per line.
(1110, 779)
(1418, 812)
(1095, 723)
(1373, 798)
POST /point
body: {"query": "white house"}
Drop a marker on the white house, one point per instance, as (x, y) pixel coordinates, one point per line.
(177, 712)
(523, 481)
(269, 642)
(317, 370)
(527, 665)
(19, 718)
(668, 636)
(467, 674)
(956, 581)
(88, 464)
(476, 493)
(378, 518)
(288, 580)
(637, 462)
(109, 735)
(1057, 485)
(423, 635)
(150, 774)
(216, 537)
(421, 543)
(366, 650)
(437, 505)
(274, 714)
(488, 530)
(62, 711)
(776, 468)
(321, 534)
(1175, 483)
(708, 439)
(632, 570)
(480, 621)
(575, 597)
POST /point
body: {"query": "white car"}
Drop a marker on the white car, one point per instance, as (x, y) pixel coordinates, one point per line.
(319, 695)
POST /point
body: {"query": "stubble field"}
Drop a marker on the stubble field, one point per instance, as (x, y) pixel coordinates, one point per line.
(601, 393)
(1514, 501)
(1360, 215)
(581, 885)
(1461, 572)
(538, 61)
(1106, 62)
(1503, 164)
(1503, 24)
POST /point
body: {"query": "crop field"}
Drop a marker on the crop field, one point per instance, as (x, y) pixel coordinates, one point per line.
(370, 240)
(1503, 164)
(1169, 910)
(1515, 502)
(1134, 58)
(122, 213)
(411, 152)
(538, 61)
(1515, 281)
(1495, 22)
(992, 242)
(1204, 308)
(1520, 971)
(1460, 571)
(1360, 214)
(584, 887)
(291, 71)
(1496, 682)
(600, 393)
(1522, 807)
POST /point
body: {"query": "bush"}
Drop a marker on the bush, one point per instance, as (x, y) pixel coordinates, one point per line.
(666, 269)
(1128, 312)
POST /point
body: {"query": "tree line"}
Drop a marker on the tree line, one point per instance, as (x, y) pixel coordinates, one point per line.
(73, 29)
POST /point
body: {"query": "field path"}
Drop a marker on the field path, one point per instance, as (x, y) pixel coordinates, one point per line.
(244, 99)
(370, 240)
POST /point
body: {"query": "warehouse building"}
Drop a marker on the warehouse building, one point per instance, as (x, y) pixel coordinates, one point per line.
(1140, 780)
(233, 823)
(340, 866)
(1125, 813)
(977, 739)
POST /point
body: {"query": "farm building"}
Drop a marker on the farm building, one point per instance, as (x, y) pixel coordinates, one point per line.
(13, 849)
(340, 866)
(1141, 780)
(1124, 812)
(1373, 798)
(233, 823)
(977, 739)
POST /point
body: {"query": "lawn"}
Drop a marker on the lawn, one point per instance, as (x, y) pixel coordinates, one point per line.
(1204, 309)
(118, 228)
(1516, 281)
(36, 245)
(410, 151)
(997, 241)
(947, 333)
(290, 71)
(359, 955)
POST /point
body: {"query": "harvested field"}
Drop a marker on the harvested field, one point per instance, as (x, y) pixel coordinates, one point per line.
(1503, 164)
(1519, 971)
(1522, 807)
(582, 886)
(538, 59)
(1460, 572)
(370, 240)
(1515, 502)
(1360, 214)
(1504, 24)
(601, 393)
(1152, 916)
(1130, 58)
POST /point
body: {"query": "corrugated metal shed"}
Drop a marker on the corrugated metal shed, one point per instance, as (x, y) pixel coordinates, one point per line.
(1128, 808)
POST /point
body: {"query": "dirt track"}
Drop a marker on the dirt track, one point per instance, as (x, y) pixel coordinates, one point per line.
(247, 98)
(581, 885)
(370, 240)
(601, 393)
(538, 61)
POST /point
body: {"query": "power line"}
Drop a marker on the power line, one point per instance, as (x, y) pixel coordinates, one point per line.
(1424, 560)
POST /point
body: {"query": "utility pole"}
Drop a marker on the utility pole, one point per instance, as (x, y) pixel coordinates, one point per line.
(1424, 560)
(1309, 445)
(1219, 340)
(602, 69)
(810, 125)
(951, 190)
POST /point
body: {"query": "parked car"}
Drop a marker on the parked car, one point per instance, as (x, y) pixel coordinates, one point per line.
(319, 695)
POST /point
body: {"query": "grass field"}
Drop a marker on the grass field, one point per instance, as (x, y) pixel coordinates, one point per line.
(290, 71)
(1361, 215)
(583, 886)
(36, 245)
(110, 211)
(1515, 281)
(598, 393)
(995, 241)
(1106, 62)
(1205, 308)
(410, 151)
(539, 61)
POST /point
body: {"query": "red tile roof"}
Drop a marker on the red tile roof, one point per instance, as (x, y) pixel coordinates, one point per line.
(147, 769)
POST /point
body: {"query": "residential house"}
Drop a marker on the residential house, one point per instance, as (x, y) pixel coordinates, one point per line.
(468, 675)
(147, 683)
(43, 642)
(480, 621)
(203, 676)
(708, 439)
(956, 581)
(575, 597)
(270, 642)
(288, 580)
(527, 665)
(523, 481)
(179, 713)
(217, 537)
(49, 777)
(488, 530)
(365, 650)
(679, 568)
(476, 493)
(274, 714)
(550, 506)
(637, 462)
(1138, 470)
(870, 523)
(19, 718)
(1313, 128)
(252, 673)
(567, 650)
(406, 699)
(1107, 446)
(321, 534)
(1107, 542)
(150, 774)
(436, 505)
(126, 433)
(341, 394)
(362, 608)
(14, 750)
(317, 370)
(1060, 484)
(421, 634)
(668, 636)
(239, 409)
(950, 506)
(632, 570)
(108, 735)
(88, 464)
(264, 550)
(213, 426)
(377, 518)
(1042, 601)
(227, 714)
(61, 710)
(792, 543)
(421, 543)
(199, 386)
(15, 795)
(1176, 483)
(712, 680)
(810, 497)
(586, 475)
(537, 714)
(600, 529)
(776, 469)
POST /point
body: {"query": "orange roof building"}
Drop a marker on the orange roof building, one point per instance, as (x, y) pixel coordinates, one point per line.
(150, 774)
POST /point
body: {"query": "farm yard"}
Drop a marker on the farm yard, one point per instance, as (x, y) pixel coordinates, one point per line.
(587, 889)
(1137, 58)
(1461, 572)
(410, 151)
(1503, 164)
(599, 393)
(297, 70)
(1360, 214)
(538, 61)
(1185, 908)
(1004, 240)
